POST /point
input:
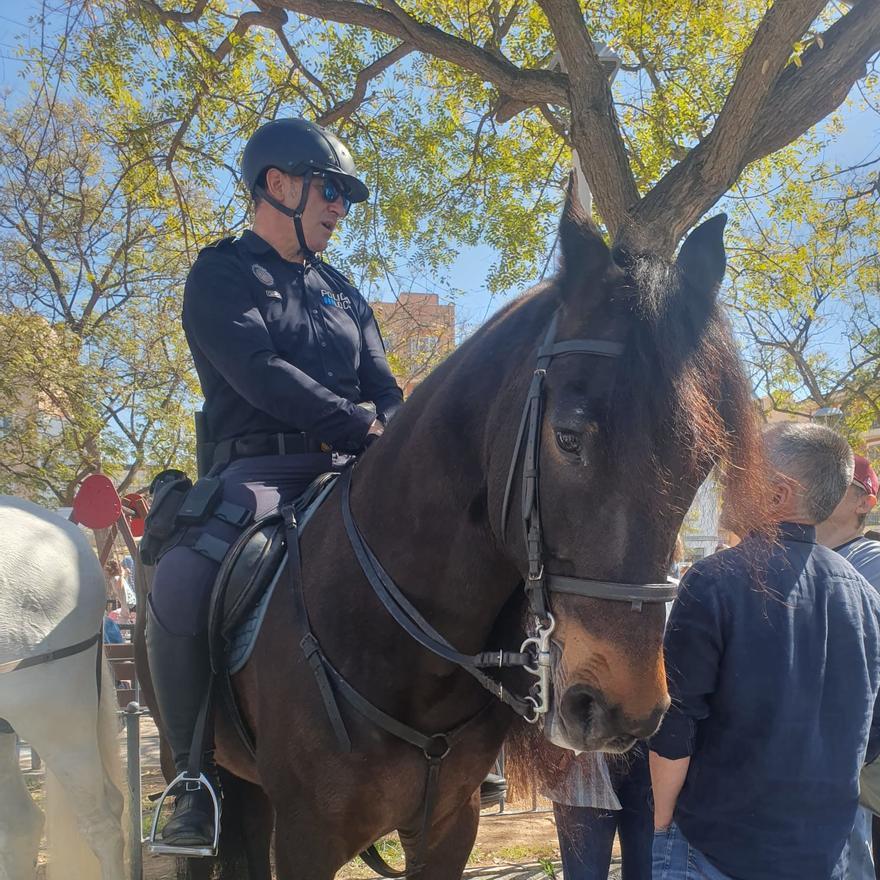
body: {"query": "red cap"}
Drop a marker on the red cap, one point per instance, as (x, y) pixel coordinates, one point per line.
(865, 477)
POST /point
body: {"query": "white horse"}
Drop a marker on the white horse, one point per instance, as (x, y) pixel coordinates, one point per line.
(52, 596)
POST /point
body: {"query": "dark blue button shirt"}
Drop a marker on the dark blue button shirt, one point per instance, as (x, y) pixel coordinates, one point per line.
(774, 697)
(280, 348)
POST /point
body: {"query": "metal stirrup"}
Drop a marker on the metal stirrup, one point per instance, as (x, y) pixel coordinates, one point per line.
(157, 847)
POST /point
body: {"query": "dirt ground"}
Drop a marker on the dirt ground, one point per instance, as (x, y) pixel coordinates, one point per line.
(518, 836)
(511, 838)
(501, 840)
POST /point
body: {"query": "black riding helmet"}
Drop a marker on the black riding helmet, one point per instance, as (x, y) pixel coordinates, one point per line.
(300, 148)
(297, 146)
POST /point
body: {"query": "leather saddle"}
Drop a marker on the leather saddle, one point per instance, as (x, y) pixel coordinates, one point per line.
(255, 563)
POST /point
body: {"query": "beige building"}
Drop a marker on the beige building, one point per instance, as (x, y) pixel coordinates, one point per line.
(419, 333)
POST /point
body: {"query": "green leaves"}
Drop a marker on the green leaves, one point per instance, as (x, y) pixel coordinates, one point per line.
(96, 374)
(806, 290)
(107, 197)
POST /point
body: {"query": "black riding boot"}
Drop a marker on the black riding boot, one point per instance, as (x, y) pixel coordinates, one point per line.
(492, 790)
(181, 671)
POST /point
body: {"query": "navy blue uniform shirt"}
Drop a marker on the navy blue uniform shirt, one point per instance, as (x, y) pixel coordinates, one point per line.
(774, 698)
(283, 348)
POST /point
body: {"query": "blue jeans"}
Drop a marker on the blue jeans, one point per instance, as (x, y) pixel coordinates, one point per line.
(586, 834)
(857, 858)
(676, 859)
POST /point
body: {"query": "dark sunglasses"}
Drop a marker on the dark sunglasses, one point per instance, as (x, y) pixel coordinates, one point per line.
(331, 190)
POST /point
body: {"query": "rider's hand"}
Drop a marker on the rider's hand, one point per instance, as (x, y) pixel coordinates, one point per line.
(374, 433)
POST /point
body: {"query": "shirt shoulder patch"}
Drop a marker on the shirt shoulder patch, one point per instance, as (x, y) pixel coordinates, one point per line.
(262, 274)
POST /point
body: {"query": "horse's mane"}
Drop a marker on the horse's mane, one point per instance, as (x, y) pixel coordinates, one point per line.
(681, 372)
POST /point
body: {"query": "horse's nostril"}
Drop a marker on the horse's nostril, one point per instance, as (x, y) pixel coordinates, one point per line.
(579, 704)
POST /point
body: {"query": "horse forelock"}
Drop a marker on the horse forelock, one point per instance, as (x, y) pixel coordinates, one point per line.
(680, 371)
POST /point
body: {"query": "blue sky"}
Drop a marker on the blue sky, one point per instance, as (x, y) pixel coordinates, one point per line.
(468, 273)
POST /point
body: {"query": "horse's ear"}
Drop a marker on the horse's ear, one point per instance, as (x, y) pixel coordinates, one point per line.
(702, 260)
(585, 256)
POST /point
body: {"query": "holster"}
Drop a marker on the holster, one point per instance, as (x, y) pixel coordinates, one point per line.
(179, 504)
(161, 522)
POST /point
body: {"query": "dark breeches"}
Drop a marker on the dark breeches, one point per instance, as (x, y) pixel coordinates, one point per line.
(184, 578)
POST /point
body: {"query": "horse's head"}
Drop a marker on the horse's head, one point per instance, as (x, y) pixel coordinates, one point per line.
(624, 443)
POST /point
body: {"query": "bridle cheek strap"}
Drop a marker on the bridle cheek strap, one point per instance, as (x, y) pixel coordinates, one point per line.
(540, 583)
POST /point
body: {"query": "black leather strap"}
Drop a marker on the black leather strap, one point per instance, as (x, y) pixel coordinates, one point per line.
(371, 858)
(234, 514)
(308, 643)
(412, 622)
(317, 663)
(48, 656)
(206, 545)
(435, 747)
(600, 347)
(526, 462)
(201, 731)
(251, 445)
(612, 589)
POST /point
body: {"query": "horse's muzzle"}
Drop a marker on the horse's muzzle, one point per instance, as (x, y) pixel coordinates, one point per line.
(586, 721)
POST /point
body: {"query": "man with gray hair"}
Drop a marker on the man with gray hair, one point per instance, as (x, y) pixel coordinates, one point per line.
(773, 660)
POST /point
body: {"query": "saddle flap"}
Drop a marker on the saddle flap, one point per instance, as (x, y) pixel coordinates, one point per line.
(250, 568)
(253, 568)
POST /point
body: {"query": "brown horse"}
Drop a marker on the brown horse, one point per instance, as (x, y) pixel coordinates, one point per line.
(624, 444)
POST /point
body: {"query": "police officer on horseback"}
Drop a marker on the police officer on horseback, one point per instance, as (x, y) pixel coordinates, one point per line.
(287, 351)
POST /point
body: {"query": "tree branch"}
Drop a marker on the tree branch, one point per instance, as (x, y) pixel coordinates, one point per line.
(506, 24)
(370, 72)
(297, 63)
(763, 62)
(595, 131)
(534, 86)
(807, 94)
(179, 17)
(800, 97)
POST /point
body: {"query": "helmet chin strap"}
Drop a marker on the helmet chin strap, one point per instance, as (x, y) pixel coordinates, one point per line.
(296, 213)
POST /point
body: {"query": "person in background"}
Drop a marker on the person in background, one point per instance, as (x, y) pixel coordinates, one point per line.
(116, 588)
(773, 661)
(843, 532)
(112, 633)
(600, 796)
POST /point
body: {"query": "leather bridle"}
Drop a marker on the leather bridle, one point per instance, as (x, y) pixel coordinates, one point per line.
(540, 584)
(534, 654)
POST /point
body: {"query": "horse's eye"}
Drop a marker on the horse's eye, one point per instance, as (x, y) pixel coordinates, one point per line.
(568, 441)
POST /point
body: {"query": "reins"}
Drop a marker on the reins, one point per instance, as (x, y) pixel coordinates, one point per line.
(534, 654)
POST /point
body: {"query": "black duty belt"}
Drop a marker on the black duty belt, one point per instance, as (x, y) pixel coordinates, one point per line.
(267, 444)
